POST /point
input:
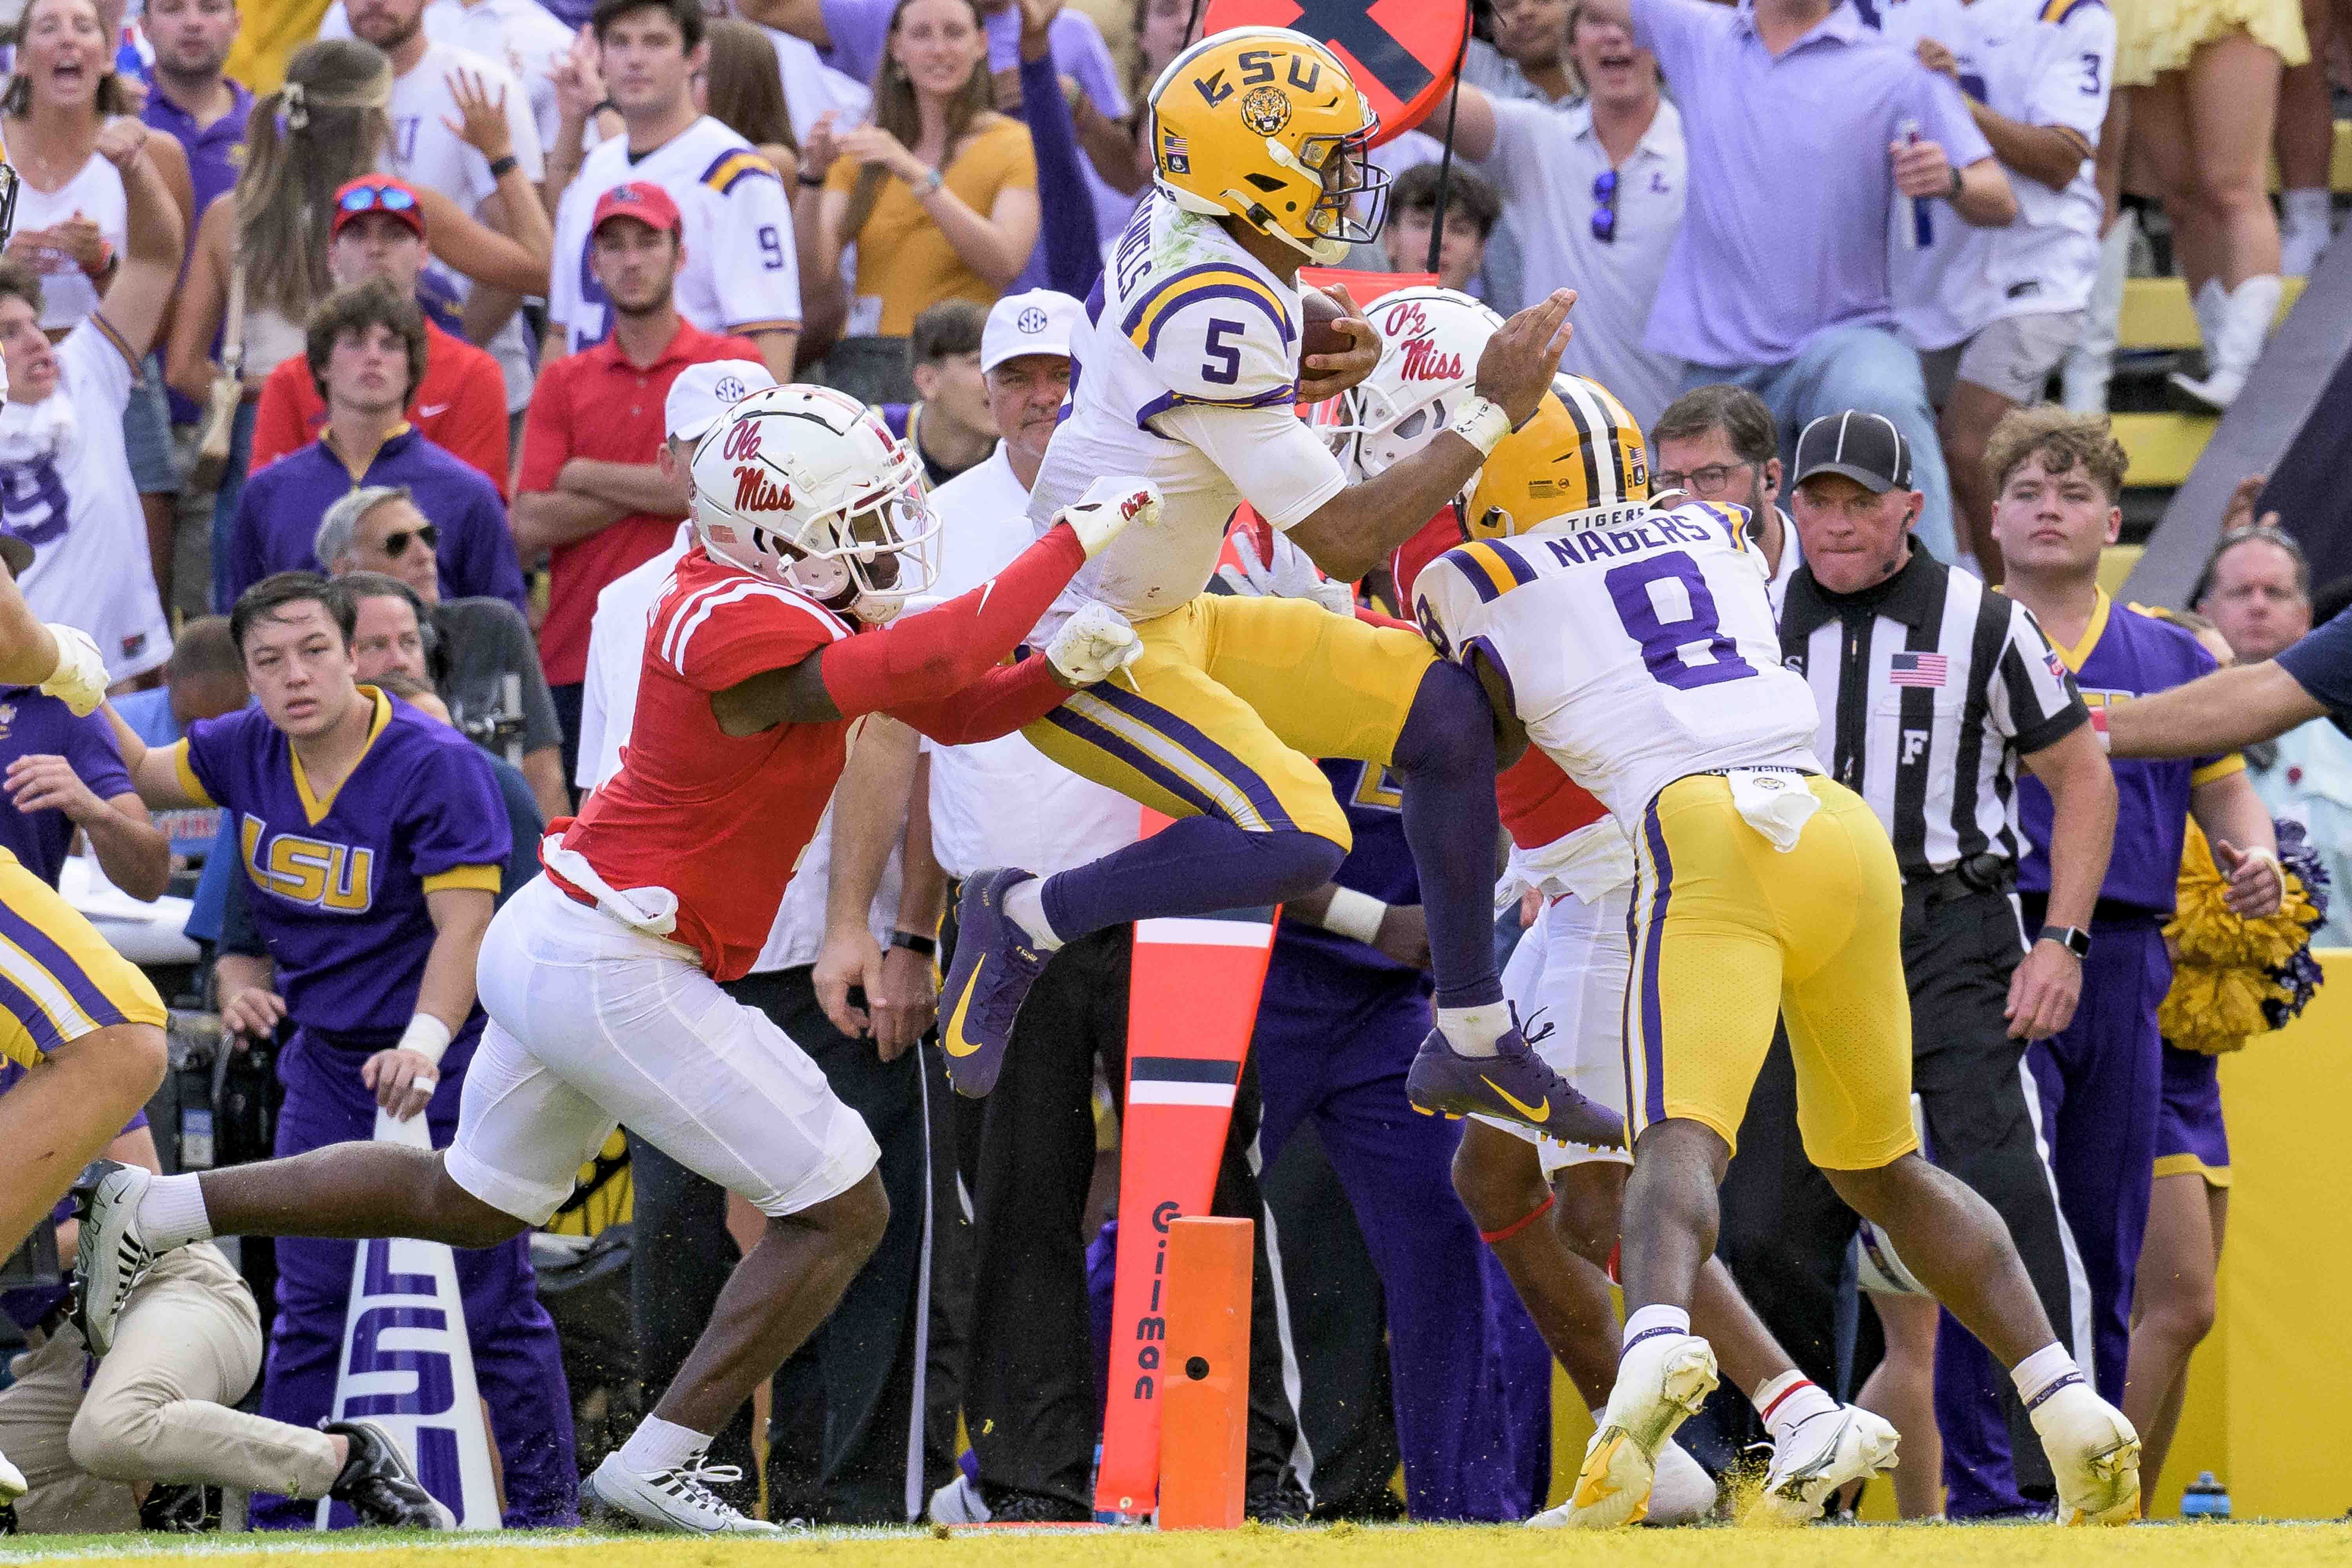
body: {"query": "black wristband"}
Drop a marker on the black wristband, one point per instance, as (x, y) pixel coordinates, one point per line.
(501, 167)
(915, 943)
(812, 181)
(2074, 939)
(604, 106)
(1955, 194)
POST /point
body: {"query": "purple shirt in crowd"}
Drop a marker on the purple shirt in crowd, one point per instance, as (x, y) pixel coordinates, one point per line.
(278, 517)
(215, 153)
(34, 725)
(1785, 229)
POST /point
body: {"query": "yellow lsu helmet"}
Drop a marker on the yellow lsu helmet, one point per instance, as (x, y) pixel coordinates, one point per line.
(1266, 125)
(1580, 451)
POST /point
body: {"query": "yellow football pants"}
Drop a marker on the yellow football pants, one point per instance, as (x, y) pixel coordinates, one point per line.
(1729, 932)
(59, 980)
(1231, 704)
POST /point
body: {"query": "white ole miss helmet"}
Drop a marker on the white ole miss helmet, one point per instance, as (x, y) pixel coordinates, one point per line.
(806, 487)
(1430, 342)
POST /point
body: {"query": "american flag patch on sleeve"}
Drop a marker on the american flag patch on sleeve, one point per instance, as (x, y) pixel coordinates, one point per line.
(2057, 666)
(1919, 669)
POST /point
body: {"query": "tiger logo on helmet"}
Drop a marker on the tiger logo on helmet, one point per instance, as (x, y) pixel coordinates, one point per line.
(1265, 125)
(1581, 451)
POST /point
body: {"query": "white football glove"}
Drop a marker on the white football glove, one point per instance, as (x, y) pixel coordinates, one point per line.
(1288, 575)
(80, 678)
(1109, 507)
(1093, 644)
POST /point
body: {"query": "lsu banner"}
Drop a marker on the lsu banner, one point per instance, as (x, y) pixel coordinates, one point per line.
(408, 1365)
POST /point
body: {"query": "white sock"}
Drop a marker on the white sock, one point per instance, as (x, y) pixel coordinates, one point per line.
(1024, 906)
(657, 1445)
(2043, 1373)
(2309, 208)
(1648, 1321)
(1472, 1031)
(1789, 1399)
(172, 1213)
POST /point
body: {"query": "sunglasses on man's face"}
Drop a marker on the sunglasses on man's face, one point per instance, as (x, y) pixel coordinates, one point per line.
(1604, 216)
(396, 543)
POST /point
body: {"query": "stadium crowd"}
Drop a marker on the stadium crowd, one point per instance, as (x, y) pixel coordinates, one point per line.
(357, 361)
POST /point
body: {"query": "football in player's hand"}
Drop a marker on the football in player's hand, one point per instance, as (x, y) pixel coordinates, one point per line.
(1319, 335)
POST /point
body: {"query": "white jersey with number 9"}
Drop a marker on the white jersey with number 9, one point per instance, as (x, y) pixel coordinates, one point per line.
(1638, 645)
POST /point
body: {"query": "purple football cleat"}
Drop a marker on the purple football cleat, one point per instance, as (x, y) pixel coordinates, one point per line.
(995, 964)
(1513, 1085)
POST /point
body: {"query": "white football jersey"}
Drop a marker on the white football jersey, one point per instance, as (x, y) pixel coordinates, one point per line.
(1186, 376)
(739, 274)
(1638, 645)
(2038, 62)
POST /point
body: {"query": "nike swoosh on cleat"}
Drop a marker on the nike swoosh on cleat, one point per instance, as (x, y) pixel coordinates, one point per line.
(951, 1040)
(1540, 1112)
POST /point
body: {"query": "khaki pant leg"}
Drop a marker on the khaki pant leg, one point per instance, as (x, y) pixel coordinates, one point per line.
(160, 1407)
(37, 1411)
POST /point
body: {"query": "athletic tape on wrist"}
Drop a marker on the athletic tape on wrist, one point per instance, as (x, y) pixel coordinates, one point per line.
(1355, 915)
(427, 1036)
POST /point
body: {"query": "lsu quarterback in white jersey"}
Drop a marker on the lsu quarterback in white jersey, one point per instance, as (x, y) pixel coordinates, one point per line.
(1640, 654)
(1187, 375)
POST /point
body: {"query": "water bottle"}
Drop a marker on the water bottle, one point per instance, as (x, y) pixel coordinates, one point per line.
(2205, 1498)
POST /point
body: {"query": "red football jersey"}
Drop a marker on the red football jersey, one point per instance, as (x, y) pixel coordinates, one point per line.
(720, 820)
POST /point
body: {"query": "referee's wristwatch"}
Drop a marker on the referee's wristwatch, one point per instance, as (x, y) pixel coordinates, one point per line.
(2074, 939)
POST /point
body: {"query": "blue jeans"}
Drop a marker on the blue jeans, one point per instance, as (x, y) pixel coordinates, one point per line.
(1868, 368)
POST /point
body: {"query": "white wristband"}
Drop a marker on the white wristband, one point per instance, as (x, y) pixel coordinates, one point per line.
(427, 1036)
(1483, 425)
(1354, 914)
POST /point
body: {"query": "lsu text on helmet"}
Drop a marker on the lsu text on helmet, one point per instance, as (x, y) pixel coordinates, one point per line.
(1265, 125)
(1580, 451)
(1430, 342)
(806, 487)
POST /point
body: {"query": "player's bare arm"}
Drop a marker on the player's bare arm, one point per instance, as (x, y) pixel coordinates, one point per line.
(1357, 529)
(869, 810)
(2244, 840)
(2218, 712)
(2048, 982)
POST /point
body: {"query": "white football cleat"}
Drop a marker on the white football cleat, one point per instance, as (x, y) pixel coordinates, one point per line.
(1660, 1382)
(12, 1482)
(113, 1255)
(675, 1498)
(2094, 1454)
(1822, 1454)
(960, 1502)
(1682, 1493)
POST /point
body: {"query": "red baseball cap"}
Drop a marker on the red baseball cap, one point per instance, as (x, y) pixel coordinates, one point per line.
(379, 194)
(640, 199)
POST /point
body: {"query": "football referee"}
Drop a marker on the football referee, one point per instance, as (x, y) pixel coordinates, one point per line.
(1932, 689)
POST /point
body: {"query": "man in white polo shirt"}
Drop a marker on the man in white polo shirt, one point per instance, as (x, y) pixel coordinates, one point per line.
(1594, 194)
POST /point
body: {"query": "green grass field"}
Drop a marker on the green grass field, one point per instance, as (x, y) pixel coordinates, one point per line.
(1399, 1546)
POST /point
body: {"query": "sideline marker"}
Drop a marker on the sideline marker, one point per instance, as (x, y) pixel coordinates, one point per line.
(1204, 1412)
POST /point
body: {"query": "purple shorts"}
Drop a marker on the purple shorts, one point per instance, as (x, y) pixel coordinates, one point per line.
(2190, 1139)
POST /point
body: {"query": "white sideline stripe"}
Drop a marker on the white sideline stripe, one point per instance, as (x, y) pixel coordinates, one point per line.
(1179, 931)
(1161, 1091)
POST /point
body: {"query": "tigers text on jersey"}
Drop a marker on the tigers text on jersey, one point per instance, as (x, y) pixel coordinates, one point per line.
(1637, 648)
(738, 275)
(718, 820)
(2038, 62)
(1184, 324)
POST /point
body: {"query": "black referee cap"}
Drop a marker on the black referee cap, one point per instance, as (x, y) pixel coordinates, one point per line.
(1866, 447)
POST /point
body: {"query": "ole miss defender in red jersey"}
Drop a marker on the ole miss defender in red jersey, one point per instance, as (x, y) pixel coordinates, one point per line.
(601, 978)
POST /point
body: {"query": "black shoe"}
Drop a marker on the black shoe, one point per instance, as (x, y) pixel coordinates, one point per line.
(181, 1508)
(1035, 1507)
(7, 1519)
(380, 1485)
(1283, 1501)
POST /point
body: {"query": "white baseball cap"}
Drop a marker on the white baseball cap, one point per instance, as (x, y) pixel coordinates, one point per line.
(1037, 322)
(703, 392)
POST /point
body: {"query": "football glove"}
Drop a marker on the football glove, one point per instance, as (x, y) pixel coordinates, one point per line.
(1109, 507)
(1288, 575)
(1093, 644)
(80, 678)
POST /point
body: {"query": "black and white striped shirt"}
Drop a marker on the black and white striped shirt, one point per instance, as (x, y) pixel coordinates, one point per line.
(1930, 686)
